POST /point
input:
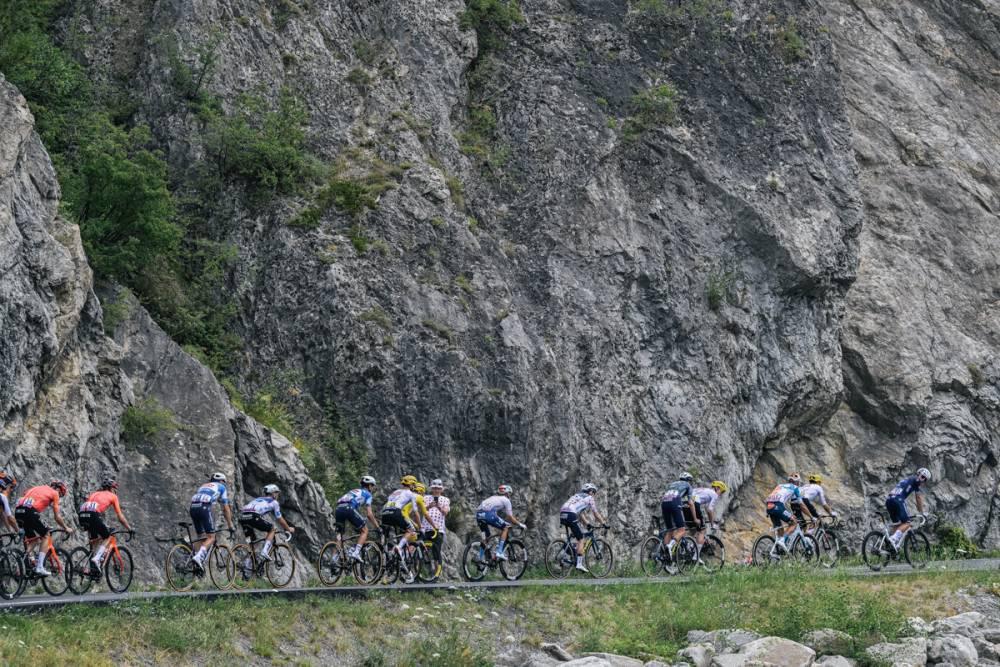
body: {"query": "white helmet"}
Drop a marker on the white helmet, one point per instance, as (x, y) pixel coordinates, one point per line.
(367, 480)
(505, 489)
(795, 479)
(271, 488)
(685, 477)
(588, 487)
(218, 477)
(925, 473)
(437, 484)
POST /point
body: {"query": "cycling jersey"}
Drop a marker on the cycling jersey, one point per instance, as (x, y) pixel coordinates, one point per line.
(496, 504)
(401, 499)
(39, 498)
(905, 488)
(677, 492)
(356, 498)
(579, 502)
(814, 493)
(262, 507)
(209, 493)
(99, 501)
(784, 493)
(705, 496)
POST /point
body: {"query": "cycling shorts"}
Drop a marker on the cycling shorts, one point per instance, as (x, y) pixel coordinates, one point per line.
(778, 513)
(94, 524)
(897, 510)
(395, 518)
(251, 521)
(347, 513)
(30, 521)
(572, 521)
(201, 517)
(690, 519)
(485, 519)
(673, 514)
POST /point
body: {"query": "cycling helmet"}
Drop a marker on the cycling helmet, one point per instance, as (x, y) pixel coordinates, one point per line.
(271, 489)
(437, 484)
(588, 488)
(59, 486)
(720, 486)
(815, 478)
(505, 489)
(408, 480)
(218, 477)
(795, 479)
(419, 488)
(686, 477)
(924, 473)
(367, 480)
(109, 484)
(7, 481)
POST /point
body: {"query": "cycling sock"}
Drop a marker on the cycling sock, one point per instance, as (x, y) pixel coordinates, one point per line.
(672, 544)
(402, 543)
(201, 555)
(500, 545)
(99, 554)
(482, 552)
(697, 550)
(40, 560)
(266, 549)
(896, 537)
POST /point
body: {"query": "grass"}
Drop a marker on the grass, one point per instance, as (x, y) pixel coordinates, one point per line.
(469, 628)
(146, 420)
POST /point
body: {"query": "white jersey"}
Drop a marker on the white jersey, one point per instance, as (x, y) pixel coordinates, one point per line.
(498, 504)
(6, 504)
(814, 493)
(400, 499)
(705, 496)
(579, 502)
(263, 506)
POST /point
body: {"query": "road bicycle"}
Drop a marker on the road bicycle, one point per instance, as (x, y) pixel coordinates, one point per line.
(278, 567)
(56, 562)
(654, 557)
(826, 539)
(480, 557)
(116, 565)
(181, 570)
(11, 566)
(768, 550)
(598, 557)
(877, 549)
(409, 564)
(335, 560)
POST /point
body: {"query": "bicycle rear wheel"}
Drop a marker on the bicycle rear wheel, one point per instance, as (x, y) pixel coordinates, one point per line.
(558, 559)
(829, 548)
(473, 563)
(80, 579)
(917, 549)
(599, 558)
(118, 570)
(220, 566)
(761, 554)
(330, 565)
(56, 583)
(11, 573)
(368, 571)
(179, 568)
(517, 560)
(650, 556)
(281, 568)
(875, 551)
(244, 566)
(686, 555)
(713, 554)
(390, 573)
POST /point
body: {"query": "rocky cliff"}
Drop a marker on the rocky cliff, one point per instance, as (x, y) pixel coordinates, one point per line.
(615, 240)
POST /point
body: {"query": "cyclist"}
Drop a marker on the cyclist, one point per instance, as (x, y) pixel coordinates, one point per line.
(777, 507)
(253, 517)
(678, 495)
(347, 510)
(895, 503)
(7, 485)
(434, 530)
(490, 513)
(201, 513)
(705, 498)
(397, 509)
(570, 515)
(91, 520)
(813, 493)
(28, 514)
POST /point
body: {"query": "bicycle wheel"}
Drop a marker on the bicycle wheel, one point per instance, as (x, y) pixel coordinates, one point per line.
(875, 551)
(330, 564)
(244, 566)
(713, 554)
(686, 555)
(829, 549)
(599, 558)
(23, 570)
(473, 562)
(118, 570)
(281, 568)
(220, 566)
(559, 560)
(917, 549)
(56, 583)
(761, 554)
(424, 564)
(390, 573)
(368, 571)
(517, 560)
(179, 568)
(805, 550)
(10, 574)
(80, 579)
(650, 558)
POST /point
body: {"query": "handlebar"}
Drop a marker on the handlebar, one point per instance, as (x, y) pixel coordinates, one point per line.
(10, 538)
(129, 534)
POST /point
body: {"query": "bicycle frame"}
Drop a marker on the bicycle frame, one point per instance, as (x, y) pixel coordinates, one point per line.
(112, 548)
(50, 547)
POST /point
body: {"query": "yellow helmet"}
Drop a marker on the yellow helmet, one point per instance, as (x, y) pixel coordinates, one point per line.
(408, 480)
(419, 488)
(815, 478)
(720, 486)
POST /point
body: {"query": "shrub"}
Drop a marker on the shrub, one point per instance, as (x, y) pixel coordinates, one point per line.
(492, 20)
(793, 47)
(655, 106)
(954, 543)
(145, 420)
(719, 285)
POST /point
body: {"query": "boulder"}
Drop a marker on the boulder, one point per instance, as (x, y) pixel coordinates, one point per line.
(729, 660)
(537, 660)
(909, 652)
(992, 634)
(611, 659)
(724, 641)
(957, 650)
(556, 651)
(699, 655)
(986, 649)
(656, 663)
(961, 624)
(828, 642)
(916, 627)
(835, 661)
(779, 652)
(590, 661)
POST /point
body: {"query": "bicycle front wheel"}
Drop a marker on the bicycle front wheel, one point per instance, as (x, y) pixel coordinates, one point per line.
(517, 560)
(474, 561)
(599, 558)
(559, 559)
(220, 566)
(57, 582)
(281, 568)
(330, 564)
(875, 550)
(368, 571)
(118, 570)
(424, 564)
(805, 550)
(762, 549)
(713, 553)
(11, 573)
(917, 549)
(650, 556)
(829, 549)
(80, 579)
(686, 555)
(244, 566)
(179, 568)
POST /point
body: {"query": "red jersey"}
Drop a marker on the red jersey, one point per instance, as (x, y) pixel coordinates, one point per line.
(99, 501)
(40, 497)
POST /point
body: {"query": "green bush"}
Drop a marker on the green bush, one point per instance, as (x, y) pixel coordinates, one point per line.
(793, 46)
(492, 20)
(145, 420)
(653, 107)
(953, 542)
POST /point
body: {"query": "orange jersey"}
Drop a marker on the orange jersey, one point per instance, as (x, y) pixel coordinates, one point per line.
(40, 497)
(99, 501)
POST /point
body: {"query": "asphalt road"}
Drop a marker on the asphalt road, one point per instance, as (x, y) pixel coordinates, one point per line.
(36, 602)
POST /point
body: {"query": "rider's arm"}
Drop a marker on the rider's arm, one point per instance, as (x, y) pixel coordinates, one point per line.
(422, 508)
(228, 513)
(284, 524)
(371, 515)
(118, 513)
(919, 497)
(58, 517)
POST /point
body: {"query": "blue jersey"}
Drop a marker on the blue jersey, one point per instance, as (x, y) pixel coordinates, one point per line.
(356, 498)
(262, 506)
(905, 488)
(209, 493)
(679, 491)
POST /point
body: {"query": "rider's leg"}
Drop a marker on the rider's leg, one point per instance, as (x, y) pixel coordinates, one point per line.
(503, 539)
(43, 550)
(265, 551)
(362, 536)
(897, 537)
(206, 540)
(99, 553)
